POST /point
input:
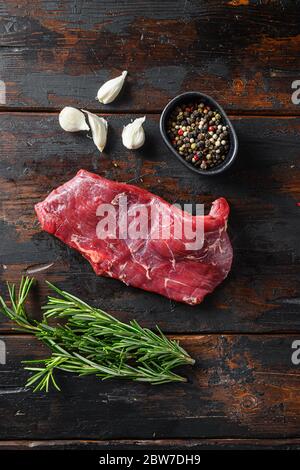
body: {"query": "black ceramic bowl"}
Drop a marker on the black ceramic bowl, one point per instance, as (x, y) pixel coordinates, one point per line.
(186, 98)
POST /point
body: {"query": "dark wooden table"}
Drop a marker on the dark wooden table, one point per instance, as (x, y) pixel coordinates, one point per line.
(244, 391)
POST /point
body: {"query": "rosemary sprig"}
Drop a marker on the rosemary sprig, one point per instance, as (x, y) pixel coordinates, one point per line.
(93, 342)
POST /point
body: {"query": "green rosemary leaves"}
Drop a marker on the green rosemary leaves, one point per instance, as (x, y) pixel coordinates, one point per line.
(90, 341)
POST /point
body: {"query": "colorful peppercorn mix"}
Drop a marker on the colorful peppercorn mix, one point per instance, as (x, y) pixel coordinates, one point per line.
(199, 134)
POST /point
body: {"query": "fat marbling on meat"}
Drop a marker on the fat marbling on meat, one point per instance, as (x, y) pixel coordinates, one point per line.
(166, 266)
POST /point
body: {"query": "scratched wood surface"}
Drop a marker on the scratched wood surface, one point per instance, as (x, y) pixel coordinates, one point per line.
(244, 52)
(244, 390)
(242, 386)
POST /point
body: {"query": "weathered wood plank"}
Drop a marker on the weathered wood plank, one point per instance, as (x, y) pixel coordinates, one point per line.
(241, 386)
(160, 445)
(244, 53)
(262, 292)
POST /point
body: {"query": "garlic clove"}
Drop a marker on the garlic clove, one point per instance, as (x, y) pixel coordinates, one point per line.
(99, 128)
(110, 90)
(133, 135)
(72, 120)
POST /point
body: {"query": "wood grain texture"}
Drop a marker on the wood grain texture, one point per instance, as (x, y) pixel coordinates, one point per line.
(262, 292)
(241, 386)
(243, 392)
(246, 54)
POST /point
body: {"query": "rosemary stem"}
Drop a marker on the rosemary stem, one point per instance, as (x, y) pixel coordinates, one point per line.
(92, 341)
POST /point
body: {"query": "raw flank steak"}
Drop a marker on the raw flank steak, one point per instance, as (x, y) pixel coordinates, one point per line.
(168, 266)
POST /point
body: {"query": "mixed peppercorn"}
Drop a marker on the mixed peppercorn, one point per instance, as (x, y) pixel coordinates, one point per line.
(199, 134)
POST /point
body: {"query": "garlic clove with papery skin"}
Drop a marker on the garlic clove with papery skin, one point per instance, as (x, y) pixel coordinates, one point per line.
(72, 120)
(133, 135)
(110, 90)
(99, 128)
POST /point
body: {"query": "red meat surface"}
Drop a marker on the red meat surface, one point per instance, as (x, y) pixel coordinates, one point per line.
(166, 266)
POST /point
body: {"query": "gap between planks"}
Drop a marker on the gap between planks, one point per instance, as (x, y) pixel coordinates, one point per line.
(175, 335)
(235, 114)
(162, 441)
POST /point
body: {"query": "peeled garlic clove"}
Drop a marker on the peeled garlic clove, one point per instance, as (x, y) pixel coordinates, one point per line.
(98, 127)
(72, 120)
(133, 135)
(110, 90)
